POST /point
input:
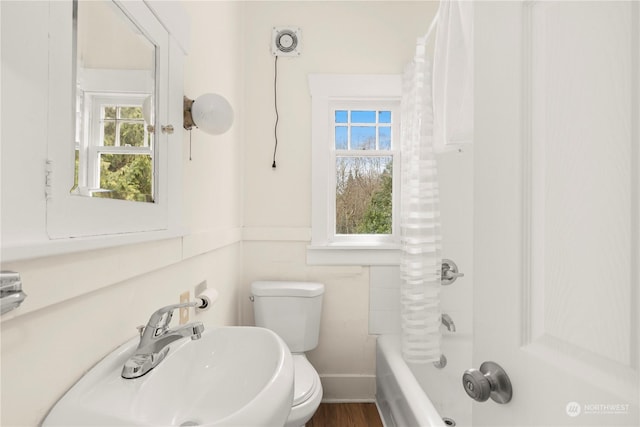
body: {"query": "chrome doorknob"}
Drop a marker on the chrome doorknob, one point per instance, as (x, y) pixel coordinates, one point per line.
(490, 381)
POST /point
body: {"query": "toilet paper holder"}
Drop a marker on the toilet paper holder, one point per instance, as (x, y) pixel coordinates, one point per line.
(207, 298)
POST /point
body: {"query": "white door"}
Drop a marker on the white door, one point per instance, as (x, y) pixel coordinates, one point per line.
(557, 207)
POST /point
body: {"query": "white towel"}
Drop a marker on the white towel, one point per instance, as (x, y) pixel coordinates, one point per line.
(453, 75)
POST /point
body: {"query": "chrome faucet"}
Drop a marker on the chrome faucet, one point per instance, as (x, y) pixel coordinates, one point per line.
(155, 339)
(448, 323)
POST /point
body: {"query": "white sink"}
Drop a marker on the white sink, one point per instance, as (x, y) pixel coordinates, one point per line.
(232, 376)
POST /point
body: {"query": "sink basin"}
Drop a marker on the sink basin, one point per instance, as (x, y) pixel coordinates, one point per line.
(232, 376)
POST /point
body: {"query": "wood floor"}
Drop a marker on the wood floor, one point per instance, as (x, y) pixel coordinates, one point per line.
(346, 415)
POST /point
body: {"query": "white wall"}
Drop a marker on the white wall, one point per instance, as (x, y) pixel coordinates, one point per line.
(337, 37)
(81, 306)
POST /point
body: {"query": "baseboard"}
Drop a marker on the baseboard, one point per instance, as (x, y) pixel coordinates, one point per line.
(349, 401)
(348, 388)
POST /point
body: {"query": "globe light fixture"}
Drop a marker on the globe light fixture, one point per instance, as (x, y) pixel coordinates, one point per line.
(210, 113)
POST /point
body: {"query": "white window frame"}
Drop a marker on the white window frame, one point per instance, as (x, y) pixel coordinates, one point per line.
(394, 152)
(89, 170)
(339, 91)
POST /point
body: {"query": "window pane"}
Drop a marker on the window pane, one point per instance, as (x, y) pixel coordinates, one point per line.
(125, 177)
(341, 137)
(76, 169)
(363, 117)
(131, 112)
(384, 116)
(363, 195)
(109, 112)
(109, 139)
(132, 135)
(384, 137)
(341, 116)
(363, 138)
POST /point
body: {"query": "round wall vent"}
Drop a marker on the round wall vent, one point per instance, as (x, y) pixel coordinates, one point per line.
(286, 41)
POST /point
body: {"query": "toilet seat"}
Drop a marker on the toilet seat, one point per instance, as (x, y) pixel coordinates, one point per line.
(305, 380)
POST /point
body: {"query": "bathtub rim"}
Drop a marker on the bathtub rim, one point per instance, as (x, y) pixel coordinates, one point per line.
(390, 348)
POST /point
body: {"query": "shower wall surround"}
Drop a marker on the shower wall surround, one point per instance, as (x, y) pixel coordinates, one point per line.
(455, 175)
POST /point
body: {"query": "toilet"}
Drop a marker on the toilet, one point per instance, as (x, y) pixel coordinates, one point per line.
(292, 310)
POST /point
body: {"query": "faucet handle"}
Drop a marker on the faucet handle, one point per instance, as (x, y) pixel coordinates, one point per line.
(140, 329)
(161, 318)
(449, 272)
(163, 324)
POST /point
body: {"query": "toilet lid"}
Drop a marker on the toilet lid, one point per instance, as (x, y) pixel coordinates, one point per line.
(305, 380)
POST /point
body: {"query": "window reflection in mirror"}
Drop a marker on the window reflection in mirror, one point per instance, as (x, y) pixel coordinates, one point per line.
(115, 92)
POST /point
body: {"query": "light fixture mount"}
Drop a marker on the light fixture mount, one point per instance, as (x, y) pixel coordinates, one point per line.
(187, 119)
(286, 41)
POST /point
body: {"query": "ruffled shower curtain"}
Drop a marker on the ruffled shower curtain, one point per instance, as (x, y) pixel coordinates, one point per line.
(437, 110)
(420, 264)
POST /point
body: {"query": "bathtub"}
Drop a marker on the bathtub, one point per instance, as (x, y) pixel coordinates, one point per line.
(420, 395)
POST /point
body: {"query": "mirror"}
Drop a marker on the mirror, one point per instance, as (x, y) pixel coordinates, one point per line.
(115, 104)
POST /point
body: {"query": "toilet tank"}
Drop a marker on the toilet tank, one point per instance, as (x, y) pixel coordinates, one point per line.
(290, 309)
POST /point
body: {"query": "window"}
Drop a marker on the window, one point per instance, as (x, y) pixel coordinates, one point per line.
(355, 169)
(117, 162)
(364, 151)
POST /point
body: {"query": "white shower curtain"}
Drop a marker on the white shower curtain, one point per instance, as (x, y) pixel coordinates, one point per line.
(437, 110)
(453, 75)
(420, 217)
